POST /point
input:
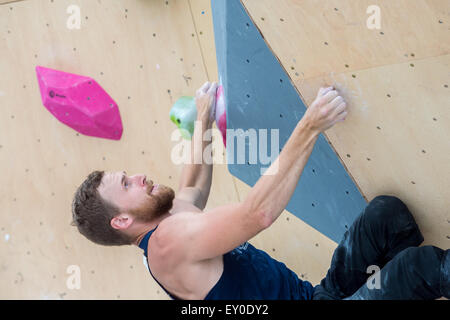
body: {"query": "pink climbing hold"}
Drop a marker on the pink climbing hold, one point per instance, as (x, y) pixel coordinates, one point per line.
(80, 103)
(221, 114)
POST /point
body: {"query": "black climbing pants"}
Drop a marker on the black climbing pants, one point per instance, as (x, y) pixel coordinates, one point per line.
(385, 237)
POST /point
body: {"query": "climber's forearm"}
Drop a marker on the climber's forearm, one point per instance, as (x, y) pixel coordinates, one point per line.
(198, 173)
(272, 192)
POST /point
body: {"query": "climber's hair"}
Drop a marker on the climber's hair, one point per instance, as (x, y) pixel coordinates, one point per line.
(92, 214)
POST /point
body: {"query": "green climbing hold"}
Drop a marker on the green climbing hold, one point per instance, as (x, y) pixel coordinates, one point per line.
(183, 114)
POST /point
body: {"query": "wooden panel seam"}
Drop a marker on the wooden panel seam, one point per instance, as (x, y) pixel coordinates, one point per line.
(198, 40)
(303, 100)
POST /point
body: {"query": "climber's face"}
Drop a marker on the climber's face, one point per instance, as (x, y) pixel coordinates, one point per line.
(136, 195)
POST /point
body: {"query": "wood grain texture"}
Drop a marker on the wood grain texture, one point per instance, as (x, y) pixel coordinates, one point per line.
(313, 40)
(395, 80)
(144, 56)
(5, 2)
(202, 17)
(395, 139)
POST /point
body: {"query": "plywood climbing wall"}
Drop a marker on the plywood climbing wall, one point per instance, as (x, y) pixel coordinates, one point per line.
(145, 54)
(396, 81)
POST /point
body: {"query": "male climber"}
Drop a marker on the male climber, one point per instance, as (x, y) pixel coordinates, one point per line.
(205, 255)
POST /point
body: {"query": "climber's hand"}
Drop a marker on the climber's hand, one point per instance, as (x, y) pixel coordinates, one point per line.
(327, 109)
(205, 99)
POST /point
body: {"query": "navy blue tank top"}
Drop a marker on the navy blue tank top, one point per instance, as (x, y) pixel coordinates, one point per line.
(251, 274)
